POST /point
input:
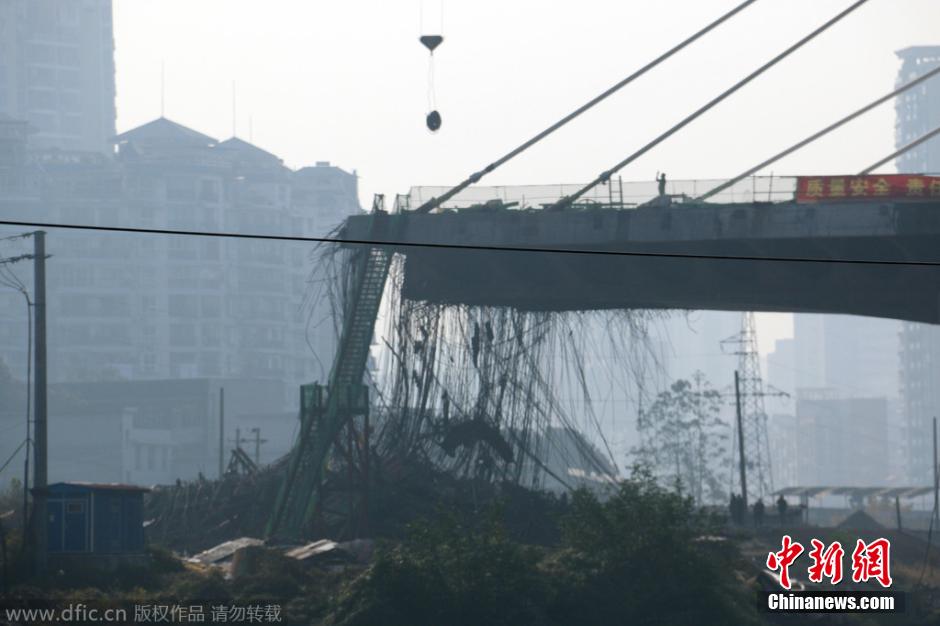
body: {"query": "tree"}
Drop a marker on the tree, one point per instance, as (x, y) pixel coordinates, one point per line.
(684, 440)
(633, 557)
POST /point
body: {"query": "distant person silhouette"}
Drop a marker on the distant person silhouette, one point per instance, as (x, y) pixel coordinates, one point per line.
(661, 179)
(782, 507)
(759, 512)
(737, 509)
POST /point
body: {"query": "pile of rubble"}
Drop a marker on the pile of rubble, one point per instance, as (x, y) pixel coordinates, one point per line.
(203, 515)
(189, 516)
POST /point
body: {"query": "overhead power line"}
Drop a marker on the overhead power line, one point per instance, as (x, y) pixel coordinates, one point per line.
(12, 456)
(605, 176)
(431, 204)
(828, 129)
(472, 247)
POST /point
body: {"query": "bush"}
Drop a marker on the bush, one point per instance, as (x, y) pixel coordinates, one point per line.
(632, 558)
(448, 573)
(635, 558)
(263, 574)
(196, 587)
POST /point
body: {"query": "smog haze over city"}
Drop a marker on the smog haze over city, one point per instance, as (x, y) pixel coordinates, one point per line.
(437, 312)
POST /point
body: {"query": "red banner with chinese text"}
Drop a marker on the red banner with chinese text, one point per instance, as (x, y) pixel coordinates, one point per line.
(883, 187)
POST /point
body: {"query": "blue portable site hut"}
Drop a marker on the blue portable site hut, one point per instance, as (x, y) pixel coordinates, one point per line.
(95, 518)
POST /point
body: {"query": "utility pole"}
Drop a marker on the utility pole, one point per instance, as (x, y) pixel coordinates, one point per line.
(29, 388)
(41, 459)
(936, 477)
(221, 431)
(751, 396)
(258, 441)
(743, 464)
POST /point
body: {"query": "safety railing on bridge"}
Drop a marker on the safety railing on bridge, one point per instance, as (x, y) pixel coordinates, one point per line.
(616, 194)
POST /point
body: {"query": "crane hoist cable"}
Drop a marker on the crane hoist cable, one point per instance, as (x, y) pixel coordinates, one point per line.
(433, 203)
(431, 42)
(848, 118)
(605, 176)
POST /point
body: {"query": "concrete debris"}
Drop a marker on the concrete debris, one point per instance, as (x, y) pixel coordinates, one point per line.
(325, 550)
(310, 550)
(357, 550)
(224, 551)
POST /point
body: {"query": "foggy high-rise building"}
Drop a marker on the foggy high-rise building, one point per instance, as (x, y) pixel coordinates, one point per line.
(57, 71)
(858, 356)
(854, 355)
(833, 434)
(849, 358)
(177, 307)
(125, 309)
(137, 312)
(918, 111)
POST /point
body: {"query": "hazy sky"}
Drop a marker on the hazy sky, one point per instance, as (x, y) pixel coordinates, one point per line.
(346, 81)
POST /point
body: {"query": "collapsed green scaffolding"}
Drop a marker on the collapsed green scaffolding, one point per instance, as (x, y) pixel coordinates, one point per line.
(477, 392)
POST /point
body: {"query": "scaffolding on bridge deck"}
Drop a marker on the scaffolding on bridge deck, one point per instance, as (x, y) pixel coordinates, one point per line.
(616, 194)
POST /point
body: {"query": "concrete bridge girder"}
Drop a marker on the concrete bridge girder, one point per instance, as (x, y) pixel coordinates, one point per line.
(546, 280)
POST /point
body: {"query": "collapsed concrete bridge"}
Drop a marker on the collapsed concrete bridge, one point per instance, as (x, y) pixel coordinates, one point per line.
(521, 270)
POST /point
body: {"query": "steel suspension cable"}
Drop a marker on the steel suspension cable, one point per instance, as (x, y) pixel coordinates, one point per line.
(433, 203)
(848, 118)
(901, 150)
(605, 176)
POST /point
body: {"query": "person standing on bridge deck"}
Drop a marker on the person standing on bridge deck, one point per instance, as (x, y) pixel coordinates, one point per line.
(661, 179)
(782, 505)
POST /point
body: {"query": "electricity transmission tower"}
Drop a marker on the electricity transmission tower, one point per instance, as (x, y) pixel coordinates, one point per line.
(760, 481)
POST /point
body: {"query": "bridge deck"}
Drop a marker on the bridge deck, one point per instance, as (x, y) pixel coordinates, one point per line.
(903, 231)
